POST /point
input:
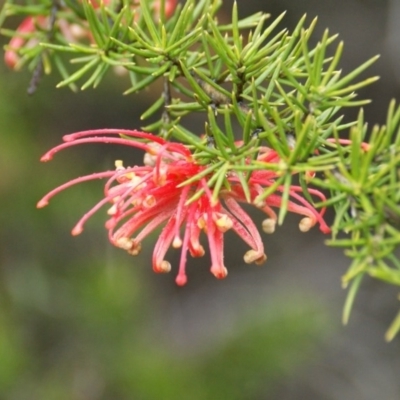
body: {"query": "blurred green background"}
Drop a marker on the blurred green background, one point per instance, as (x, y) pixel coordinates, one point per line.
(81, 320)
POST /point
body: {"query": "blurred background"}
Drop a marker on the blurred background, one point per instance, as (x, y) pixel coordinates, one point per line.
(81, 320)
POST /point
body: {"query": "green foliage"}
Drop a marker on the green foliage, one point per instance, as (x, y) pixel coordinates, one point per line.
(254, 86)
(365, 187)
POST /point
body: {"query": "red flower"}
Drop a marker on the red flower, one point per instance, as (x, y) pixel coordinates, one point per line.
(27, 26)
(170, 6)
(71, 32)
(25, 36)
(145, 197)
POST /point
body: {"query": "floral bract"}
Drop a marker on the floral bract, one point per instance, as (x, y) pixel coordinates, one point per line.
(162, 192)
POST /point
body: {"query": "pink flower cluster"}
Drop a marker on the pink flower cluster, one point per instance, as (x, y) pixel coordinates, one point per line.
(159, 192)
(72, 32)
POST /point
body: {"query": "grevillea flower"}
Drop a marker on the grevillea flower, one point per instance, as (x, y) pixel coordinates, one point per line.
(25, 36)
(71, 32)
(170, 6)
(27, 26)
(163, 191)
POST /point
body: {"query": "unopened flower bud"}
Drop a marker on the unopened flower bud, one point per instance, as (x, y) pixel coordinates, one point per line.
(219, 271)
(223, 222)
(112, 210)
(177, 242)
(149, 160)
(135, 248)
(306, 224)
(124, 243)
(268, 225)
(162, 267)
(253, 256)
(181, 280)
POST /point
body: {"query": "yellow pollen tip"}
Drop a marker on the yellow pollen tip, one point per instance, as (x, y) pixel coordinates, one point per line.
(253, 256)
(149, 201)
(261, 260)
(119, 164)
(112, 210)
(197, 250)
(268, 225)
(201, 223)
(224, 223)
(177, 243)
(77, 31)
(149, 160)
(283, 166)
(135, 181)
(153, 150)
(306, 224)
(162, 267)
(135, 249)
(214, 202)
(258, 202)
(220, 272)
(124, 243)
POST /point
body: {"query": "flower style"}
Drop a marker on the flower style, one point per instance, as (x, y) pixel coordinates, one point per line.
(171, 188)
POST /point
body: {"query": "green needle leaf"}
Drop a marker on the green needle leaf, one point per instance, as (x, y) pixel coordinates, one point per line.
(393, 329)
(351, 295)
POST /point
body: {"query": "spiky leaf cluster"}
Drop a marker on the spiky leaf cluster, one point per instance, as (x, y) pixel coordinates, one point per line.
(365, 191)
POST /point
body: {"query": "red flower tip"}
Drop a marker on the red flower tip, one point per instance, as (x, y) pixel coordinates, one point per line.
(69, 138)
(170, 6)
(162, 267)
(196, 249)
(219, 271)
(77, 230)
(325, 229)
(47, 157)
(11, 58)
(42, 203)
(364, 146)
(181, 280)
